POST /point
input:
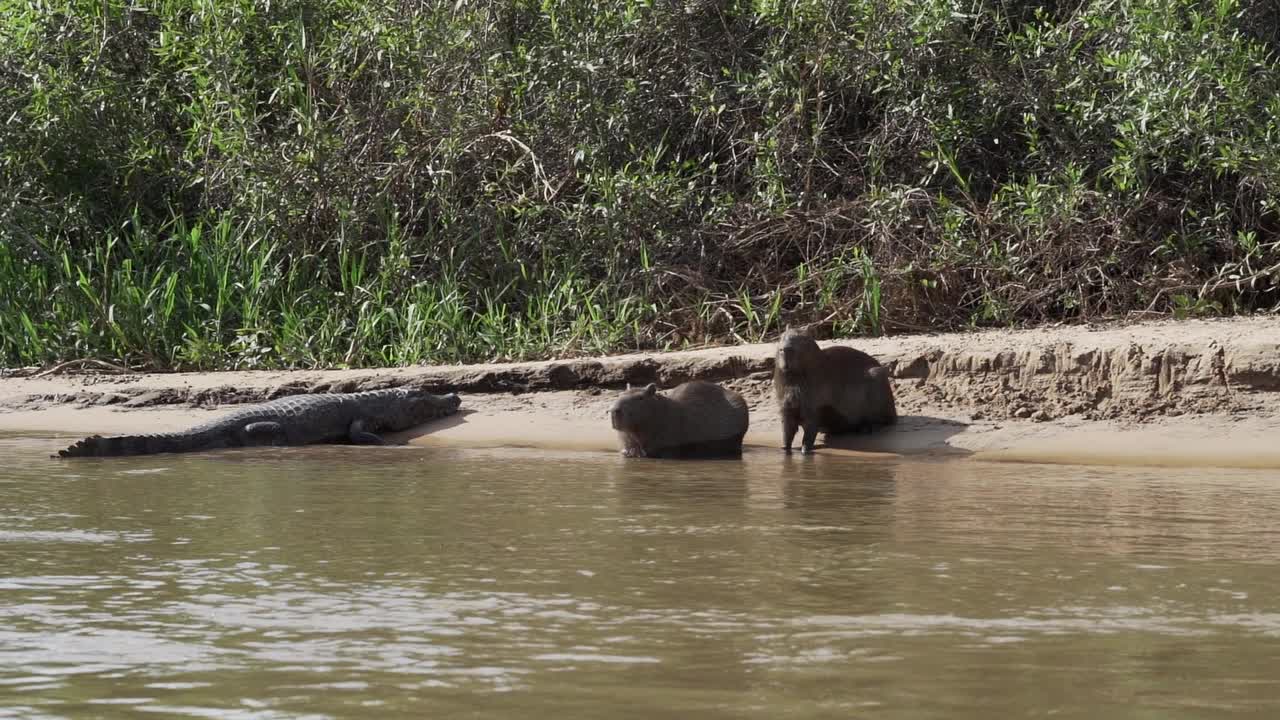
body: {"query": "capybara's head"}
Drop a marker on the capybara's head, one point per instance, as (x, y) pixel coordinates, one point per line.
(794, 349)
(633, 411)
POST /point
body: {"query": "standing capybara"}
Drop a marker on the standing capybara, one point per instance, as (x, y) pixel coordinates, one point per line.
(696, 419)
(836, 390)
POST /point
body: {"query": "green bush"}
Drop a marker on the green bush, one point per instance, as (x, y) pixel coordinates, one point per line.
(246, 183)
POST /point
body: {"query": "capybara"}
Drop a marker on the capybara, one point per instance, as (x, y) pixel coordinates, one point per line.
(696, 419)
(836, 390)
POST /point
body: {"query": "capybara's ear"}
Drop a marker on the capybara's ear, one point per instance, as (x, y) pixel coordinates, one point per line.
(650, 389)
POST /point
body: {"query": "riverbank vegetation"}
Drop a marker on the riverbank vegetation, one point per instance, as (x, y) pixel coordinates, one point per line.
(266, 183)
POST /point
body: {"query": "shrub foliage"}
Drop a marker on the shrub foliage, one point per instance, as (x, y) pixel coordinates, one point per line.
(255, 183)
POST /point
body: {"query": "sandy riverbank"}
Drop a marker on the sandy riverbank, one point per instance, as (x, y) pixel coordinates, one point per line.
(1165, 393)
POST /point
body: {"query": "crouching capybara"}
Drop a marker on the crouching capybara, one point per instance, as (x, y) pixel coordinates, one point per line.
(696, 419)
(836, 390)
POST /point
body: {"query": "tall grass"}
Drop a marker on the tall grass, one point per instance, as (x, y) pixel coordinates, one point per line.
(299, 183)
(204, 296)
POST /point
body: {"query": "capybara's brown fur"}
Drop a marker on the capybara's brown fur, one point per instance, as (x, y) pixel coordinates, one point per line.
(696, 419)
(833, 390)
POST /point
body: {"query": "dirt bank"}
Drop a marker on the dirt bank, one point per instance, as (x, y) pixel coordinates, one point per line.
(1192, 392)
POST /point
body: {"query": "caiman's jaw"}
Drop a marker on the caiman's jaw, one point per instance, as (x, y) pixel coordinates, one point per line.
(451, 403)
(411, 408)
(428, 405)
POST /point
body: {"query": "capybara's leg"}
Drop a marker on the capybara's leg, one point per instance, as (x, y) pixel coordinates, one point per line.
(789, 426)
(810, 437)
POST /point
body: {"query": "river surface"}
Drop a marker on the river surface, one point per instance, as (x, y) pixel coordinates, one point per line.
(416, 582)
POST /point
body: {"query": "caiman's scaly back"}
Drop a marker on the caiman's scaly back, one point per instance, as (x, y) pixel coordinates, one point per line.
(297, 420)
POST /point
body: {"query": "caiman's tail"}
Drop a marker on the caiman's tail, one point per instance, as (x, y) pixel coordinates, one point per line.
(120, 445)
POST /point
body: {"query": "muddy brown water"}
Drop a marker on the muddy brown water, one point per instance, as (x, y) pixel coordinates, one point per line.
(410, 582)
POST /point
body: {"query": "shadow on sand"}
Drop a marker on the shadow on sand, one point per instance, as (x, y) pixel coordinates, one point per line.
(431, 426)
(912, 434)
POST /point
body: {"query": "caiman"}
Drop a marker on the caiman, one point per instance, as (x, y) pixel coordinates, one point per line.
(297, 420)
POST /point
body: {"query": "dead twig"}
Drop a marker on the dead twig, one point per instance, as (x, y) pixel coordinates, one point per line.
(101, 364)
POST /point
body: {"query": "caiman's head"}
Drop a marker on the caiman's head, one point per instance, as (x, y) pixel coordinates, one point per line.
(412, 407)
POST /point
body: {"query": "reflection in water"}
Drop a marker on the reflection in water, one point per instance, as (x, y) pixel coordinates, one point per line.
(839, 494)
(350, 582)
(698, 485)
